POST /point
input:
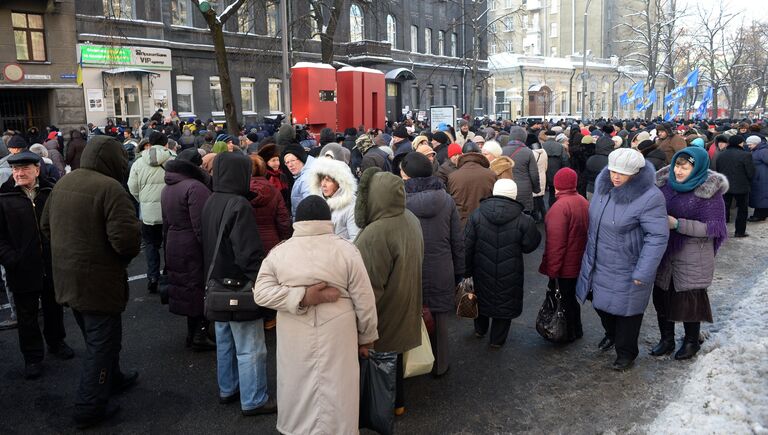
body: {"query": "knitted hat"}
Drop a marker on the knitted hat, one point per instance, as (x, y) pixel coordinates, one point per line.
(454, 149)
(416, 165)
(297, 150)
(752, 140)
(566, 179)
(253, 137)
(493, 148)
(191, 155)
(626, 161)
(401, 132)
(441, 137)
(505, 187)
(735, 140)
(560, 138)
(313, 208)
(587, 139)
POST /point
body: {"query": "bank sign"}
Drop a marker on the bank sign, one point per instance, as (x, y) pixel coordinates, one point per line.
(108, 55)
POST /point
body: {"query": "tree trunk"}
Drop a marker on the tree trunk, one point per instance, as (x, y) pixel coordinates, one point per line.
(327, 37)
(222, 64)
(714, 101)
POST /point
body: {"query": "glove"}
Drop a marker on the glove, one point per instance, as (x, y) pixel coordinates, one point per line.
(320, 293)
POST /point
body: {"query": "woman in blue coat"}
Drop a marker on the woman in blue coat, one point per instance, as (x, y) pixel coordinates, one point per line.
(628, 234)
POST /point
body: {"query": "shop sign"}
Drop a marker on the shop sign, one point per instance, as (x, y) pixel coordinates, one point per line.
(145, 57)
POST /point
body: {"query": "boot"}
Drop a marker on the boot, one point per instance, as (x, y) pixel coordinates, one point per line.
(667, 343)
(688, 349)
(201, 342)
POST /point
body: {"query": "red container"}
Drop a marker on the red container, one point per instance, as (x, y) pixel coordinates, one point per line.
(361, 98)
(313, 95)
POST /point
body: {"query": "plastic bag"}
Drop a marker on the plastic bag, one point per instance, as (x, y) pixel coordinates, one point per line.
(377, 391)
(419, 361)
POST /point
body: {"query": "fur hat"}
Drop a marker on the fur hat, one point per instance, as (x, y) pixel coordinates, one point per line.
(313, 208)
(268, 151)
(735, 140)
(505, 187)
(416, 165)
(401, 132)
(297, 150)
(441, 137)
(625, 161)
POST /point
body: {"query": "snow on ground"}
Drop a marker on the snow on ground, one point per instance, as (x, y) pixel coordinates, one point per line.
(727, 392)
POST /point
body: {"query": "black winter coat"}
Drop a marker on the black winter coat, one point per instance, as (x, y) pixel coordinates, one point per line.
(443, 240)
(597, 162)
(24, 251)
(240, 253)
(496, 237)
(737, 165)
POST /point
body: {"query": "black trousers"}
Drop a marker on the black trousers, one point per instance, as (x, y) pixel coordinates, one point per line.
(572, 307)
(399, 378)
(742, 210)
(760, 213)
(439, 342)
(624, 330)
(103, 334)
(499, 329)
(30, 338)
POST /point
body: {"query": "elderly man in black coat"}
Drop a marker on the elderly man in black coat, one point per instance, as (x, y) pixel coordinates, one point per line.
(736, 164)
(26, 255)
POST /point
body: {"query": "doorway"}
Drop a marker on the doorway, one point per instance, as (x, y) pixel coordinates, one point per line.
(127, 101)
(394, 100)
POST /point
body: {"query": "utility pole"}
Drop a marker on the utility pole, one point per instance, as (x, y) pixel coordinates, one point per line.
(584, 65)
(288, 119)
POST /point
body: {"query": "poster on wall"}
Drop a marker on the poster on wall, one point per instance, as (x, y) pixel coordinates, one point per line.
(161, 98)
(95, 99)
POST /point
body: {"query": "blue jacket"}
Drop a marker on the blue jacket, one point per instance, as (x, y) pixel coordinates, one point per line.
(758, 196)
(628, 235)
(300, 188)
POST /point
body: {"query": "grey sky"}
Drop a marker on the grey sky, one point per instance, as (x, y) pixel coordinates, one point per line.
(758, 10)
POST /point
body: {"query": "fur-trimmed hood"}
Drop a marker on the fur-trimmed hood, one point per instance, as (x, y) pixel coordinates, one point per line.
(338, 171)
(715, 183)
(631, 190)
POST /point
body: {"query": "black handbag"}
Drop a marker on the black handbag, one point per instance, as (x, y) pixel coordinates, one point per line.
(227, 299)
(550, 322)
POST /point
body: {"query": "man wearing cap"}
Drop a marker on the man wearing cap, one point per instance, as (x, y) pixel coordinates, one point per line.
(449, 166)
(16, 144)
(668, 140)
(401, 140)
(737, 165)
(26, 255)
(297, 161)
(463, 135)
(440, 142)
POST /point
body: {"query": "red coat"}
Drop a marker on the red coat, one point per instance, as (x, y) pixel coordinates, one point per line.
(567, 223)
(272, 217)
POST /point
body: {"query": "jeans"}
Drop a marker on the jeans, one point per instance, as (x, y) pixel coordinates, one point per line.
(241, 354)
(742, 210)
(103, 334)
(152, 235)
(30, 338)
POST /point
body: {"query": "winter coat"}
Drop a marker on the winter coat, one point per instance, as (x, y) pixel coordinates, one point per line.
(187, 140)
(566, 223)
(628, 234)
(91, 223)
(443, 240)
(56, 158)
(758, 196)
(300, 189)
(670, 145)
(496, 237)
(542, 160)
(653, 154)
(403, 147)
(597, 162)
(445, 170)
(392, 247)
(75, 149)
(342, 203)
(737, 165)
(471, 183)
(557, 158)
(525, 173)
(182, 201)
(272, 218)
(318, 384)
(461, 139)
(24, 251)
(147, 180)
(692, 267)
(502, 167)
(240, 253)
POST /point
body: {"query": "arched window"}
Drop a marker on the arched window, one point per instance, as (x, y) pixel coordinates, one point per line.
(355, 23)
(392, 31)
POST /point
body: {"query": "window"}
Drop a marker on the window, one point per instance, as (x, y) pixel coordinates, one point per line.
(118, 8)
(508, 46)
(578, 102)
(591, 101)
(509, 24)
(245, 22)
(534, 21)
(356, 30)
(554, 7)
(29, 34)
(553, 51)
(217, 103)
(492, 49)
(430, 95)
(246, 94)
(443, 95)
(272, 16)
(508, 4)
(553, 30)
(275, 95)
(185, 105)
(564, 102)
(491, 5)
(415, 97)
(441, 43)
(454, 45)
(428, 40)
(392, 31)
(455, 92)
(415, 39)
(180, 15)
(479, 97)
(501, 103)
(603, 102)
(391, 89)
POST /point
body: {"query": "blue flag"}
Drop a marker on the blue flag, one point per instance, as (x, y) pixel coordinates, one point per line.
(623, 100)
(674, 95)
(701, 112)
(647, 101)
(635, 91)
(671, 112)
(692, 79)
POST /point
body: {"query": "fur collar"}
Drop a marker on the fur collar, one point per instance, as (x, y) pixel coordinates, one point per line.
(186, 169)
(338, 171)
(716, 183)
(631, 190)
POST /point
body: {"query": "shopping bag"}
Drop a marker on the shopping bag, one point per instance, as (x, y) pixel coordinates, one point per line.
(419, 361)
(377, 391)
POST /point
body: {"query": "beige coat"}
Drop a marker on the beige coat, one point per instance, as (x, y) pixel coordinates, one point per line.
(318, 383)
(541, 163)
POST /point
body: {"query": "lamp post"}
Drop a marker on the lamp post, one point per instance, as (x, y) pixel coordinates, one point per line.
(584, 64)
(286, 63)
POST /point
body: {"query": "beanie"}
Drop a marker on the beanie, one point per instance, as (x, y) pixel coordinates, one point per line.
(253, 137)
(735, 140)
(588, 139)
(566, 179)
(313, 208)
(454, 149)
(506, 188)
(441, 137)
(401, 132)
(416, 165)
(297, 150)
(493, 148)
(626, 161)
(191, 155)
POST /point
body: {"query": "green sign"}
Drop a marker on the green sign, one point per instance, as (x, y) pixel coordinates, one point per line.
(105, 55)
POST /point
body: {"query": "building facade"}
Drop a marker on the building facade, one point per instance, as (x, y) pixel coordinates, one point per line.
(38, 67)
(425, 50)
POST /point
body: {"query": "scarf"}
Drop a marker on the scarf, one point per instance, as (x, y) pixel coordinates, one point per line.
(699, 173)
(686, 205)
(276, 180)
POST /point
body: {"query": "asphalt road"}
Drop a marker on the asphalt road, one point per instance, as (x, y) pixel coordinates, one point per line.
(529, 386)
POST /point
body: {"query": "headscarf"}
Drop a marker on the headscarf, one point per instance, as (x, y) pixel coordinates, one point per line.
(699, 173)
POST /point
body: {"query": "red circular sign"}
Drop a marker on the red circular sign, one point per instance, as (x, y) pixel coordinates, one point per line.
(13, 72)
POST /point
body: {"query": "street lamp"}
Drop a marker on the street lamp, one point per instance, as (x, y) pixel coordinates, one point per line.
(584, 64)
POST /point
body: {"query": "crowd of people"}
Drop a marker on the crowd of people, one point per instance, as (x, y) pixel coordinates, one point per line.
(347, 240)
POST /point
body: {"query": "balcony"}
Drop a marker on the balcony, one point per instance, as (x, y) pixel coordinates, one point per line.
(533, 5)
(367, 52)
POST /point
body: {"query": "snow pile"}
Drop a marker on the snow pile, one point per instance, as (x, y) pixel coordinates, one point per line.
(727, 392)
